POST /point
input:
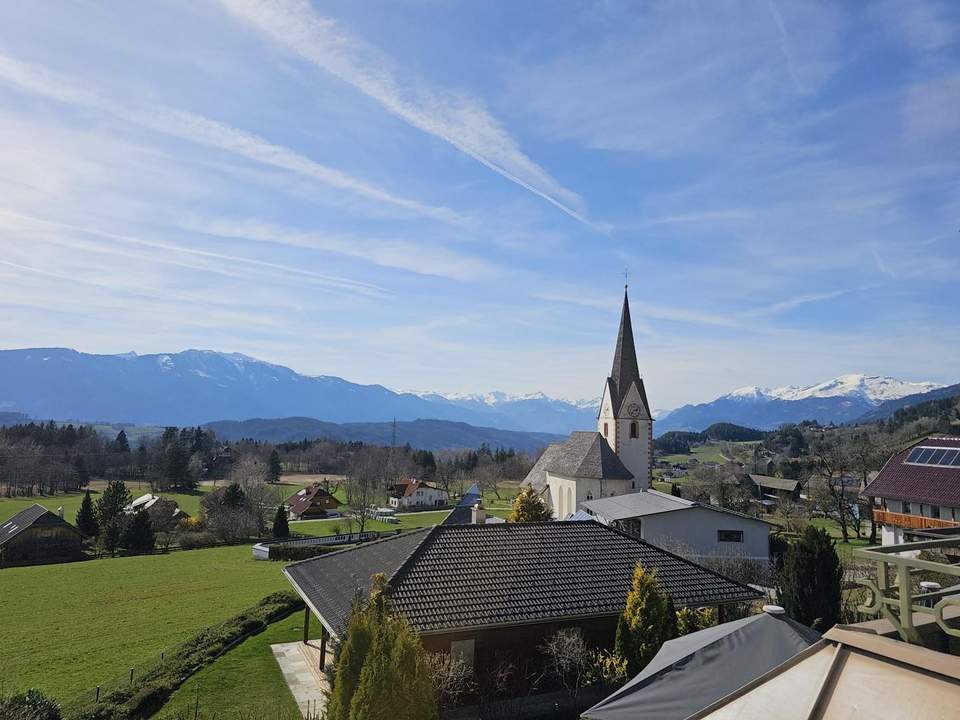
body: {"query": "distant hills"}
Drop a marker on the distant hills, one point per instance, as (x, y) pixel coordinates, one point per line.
(422, 434)
(199, 386)
(886, 410)
(842, 400)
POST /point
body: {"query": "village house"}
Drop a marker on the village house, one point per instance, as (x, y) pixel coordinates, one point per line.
(36, 535)
(918, 490)
(415, 493)
(698, 529)
(771, 491)
(488, 590)
(311, 503)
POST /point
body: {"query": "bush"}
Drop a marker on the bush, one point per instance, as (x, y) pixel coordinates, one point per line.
(31, 705)
(292, 553)
(195, 540)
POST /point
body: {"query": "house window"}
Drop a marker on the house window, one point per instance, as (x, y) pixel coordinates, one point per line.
(906, 508)
(634, 429)
(604, 429)
(730, 536)
(935, 511)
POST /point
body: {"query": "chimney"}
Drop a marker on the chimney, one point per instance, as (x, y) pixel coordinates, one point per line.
(478, 516)
(60, 512)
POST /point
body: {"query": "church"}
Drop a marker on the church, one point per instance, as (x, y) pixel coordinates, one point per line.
(615, 459)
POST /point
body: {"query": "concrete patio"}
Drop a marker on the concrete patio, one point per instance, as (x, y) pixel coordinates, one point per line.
(300, 665)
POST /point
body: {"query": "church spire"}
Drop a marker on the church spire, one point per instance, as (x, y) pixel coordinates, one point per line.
(625, 369)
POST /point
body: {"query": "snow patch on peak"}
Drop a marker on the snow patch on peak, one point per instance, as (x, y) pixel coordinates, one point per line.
(872, 388)
(750, 392)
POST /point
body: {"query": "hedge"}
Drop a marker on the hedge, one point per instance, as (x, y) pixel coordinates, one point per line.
(291, 553)
(154, 685)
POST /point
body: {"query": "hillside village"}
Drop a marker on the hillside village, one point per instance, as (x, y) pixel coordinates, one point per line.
(551, 360)
(519, 586)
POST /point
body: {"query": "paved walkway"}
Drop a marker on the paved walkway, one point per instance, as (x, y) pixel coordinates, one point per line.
(306, 684)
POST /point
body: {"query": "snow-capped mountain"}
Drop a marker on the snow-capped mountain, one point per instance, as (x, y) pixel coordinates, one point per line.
(199, 386)
(872, 388)
(842, 399)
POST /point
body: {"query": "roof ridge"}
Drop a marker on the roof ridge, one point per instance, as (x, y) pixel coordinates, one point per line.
(415, 552)
(401, 534)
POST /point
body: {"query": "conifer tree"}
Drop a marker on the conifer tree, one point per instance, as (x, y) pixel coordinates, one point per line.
(382, 673)
(87, 518)
(648, 621)
(121, 444)
(111, 503)
(529, 507)
(809, 583)
(274, 469)
(281, 528)
(138, 535)
(80, 473)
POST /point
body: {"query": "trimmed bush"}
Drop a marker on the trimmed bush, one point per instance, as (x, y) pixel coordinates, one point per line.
(195, 540)
(292, 553)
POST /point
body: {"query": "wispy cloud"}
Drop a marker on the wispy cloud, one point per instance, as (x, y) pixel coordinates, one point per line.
(210, 133)
(452, 116)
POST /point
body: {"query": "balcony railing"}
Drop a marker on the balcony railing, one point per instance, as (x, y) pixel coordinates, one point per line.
(911, 522)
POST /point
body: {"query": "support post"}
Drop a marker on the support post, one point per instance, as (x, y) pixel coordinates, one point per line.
(323, 647)
(306, 623)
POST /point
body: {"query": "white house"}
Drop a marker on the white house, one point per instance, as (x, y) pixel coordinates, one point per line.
(615, 459)
(414, 493)
(674, 523)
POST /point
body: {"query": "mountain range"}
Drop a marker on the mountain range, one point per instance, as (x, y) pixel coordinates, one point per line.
(197, 387)
(844, 399)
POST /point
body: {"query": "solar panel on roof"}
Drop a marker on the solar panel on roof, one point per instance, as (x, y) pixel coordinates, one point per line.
(950, 457)
(937, 457)
(914, 454)
(925, 455)
(956, 461)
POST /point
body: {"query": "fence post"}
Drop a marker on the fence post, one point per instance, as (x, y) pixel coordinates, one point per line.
(131, 676)
(98, 694)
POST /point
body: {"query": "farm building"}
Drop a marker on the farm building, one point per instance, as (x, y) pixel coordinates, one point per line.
(311, 502)
(36, 536)
(483, 591)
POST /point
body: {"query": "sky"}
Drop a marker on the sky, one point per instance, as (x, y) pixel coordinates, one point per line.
(447, 195)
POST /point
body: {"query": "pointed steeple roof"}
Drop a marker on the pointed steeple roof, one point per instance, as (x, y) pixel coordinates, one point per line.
(625, 371)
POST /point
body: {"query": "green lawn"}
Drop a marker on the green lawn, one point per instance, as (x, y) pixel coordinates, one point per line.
(67, 627)
(709, 452)
(246, 679)
(408, 521)
(844, 550)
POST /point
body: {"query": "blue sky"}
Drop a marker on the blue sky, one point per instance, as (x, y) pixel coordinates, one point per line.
(444, 195)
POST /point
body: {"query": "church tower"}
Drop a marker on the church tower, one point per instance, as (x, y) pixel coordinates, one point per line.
(625, 419)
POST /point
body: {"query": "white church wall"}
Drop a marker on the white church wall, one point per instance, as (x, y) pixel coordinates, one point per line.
(567, 494)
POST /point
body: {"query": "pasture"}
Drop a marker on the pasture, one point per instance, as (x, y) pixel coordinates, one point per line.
(68, 627)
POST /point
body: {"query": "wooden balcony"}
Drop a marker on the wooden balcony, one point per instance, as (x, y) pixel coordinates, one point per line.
(911, 522)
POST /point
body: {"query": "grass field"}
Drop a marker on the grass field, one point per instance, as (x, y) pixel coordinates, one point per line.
(245, 679)
(709, 452)
(67, 627)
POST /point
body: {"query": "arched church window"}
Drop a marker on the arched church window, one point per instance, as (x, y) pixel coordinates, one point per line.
(634, 429)
(589, 495)
(604, 429)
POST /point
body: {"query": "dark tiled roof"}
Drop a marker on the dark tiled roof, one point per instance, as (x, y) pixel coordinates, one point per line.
(462, 514)
(933, 484)
(465, 576)
(587, 455)
(300, 501)
(537, 477)
(331, 582)
(33, 515)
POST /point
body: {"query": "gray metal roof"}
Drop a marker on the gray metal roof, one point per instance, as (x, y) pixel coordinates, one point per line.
(33, 515)
(468, 576)
(625, 371)
(587, 455)
(462, 514)
(692, 672)
(651, 502)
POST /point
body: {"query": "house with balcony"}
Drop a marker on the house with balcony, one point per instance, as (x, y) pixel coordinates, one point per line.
(413, 493)
(918, 490)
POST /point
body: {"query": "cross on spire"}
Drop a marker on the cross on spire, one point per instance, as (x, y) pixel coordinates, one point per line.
(626, 277)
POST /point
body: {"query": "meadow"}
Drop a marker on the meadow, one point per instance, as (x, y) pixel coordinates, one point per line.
(68, 627)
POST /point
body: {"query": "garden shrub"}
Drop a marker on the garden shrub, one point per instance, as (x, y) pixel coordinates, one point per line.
(30, 705)
(195, 540)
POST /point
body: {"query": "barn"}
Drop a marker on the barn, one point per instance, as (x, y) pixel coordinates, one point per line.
(35, 536)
